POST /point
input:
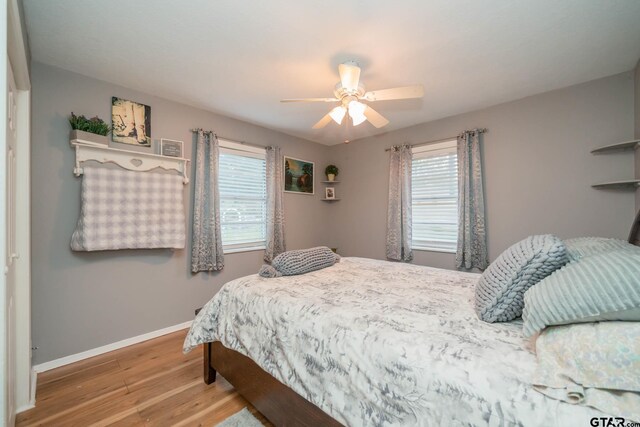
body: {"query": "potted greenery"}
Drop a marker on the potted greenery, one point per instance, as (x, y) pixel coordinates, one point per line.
(331, 171)
(89, 131)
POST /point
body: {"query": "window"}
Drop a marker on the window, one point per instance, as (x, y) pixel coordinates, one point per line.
(434, 195)
(243, 197)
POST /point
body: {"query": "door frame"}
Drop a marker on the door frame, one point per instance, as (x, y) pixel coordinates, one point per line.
(18, 59)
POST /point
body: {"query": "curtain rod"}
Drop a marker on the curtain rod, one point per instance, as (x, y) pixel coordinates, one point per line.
(229, 139)
(479, 130)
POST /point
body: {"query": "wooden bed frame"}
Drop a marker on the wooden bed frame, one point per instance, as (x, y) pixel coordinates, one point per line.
(281, 405)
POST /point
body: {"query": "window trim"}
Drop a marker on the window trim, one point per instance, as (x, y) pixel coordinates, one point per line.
(431, 150)
(238, 149)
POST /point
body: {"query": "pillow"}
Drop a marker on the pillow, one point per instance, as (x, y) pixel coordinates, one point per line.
(605, 286)
(585, 246)
(591, 364)
(501, 287)
(300, 261)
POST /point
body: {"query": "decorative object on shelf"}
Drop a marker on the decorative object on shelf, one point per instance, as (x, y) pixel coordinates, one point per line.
(91, 131)
(624, 184)
(298, 176)
(331, 171)
(130, 160)
(171, 147)
(329, 193)
(131, 122)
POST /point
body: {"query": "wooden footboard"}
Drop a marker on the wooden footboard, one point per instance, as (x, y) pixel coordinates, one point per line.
(281, 405)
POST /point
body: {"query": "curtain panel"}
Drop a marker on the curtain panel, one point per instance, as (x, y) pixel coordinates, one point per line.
(206, 249)
(275, 213)
(399, 207)
(472, 238)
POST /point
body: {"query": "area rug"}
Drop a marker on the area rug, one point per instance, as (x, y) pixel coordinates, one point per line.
(243, 418)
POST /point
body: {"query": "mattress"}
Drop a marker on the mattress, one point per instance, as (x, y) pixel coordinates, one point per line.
(375, 343)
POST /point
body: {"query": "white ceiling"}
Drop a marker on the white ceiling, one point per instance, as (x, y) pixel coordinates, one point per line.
(239, 58)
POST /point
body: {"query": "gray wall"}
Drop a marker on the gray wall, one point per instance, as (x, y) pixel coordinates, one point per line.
(538, 175)
(84, 300)
(538, 170)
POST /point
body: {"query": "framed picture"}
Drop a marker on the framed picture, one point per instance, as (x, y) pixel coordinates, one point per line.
(171, 147)
(131, 122)
(298, 176)
(329, 193)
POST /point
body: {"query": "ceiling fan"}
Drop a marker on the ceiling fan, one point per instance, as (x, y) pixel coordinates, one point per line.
(349, 92)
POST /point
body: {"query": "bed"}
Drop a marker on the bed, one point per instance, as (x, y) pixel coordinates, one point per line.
(369, 342)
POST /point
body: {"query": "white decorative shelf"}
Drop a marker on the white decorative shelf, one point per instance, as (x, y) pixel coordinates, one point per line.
(625, 184)
(130, 160)
(620, 146)
(330, 200)
(331, 182)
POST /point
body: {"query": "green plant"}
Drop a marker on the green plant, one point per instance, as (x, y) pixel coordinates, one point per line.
(93, 125)
(331, 170)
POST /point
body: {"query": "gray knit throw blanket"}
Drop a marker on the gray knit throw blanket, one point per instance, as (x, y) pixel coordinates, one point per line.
(300, 261)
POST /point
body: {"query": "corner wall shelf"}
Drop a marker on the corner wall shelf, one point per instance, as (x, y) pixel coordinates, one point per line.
(626, 184)
(629, 184)
(331, 182)
(126, 159)
(619, 146)
(330, 200)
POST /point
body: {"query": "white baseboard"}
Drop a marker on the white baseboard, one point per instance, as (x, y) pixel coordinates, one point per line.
(52, 364)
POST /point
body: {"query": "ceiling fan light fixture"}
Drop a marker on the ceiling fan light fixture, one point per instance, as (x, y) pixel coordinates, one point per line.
(349, 90)
(356, 111)
(337, 114)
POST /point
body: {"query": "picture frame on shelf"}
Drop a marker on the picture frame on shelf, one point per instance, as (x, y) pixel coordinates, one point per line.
(171, 148)
(130, 122)
(330, 193)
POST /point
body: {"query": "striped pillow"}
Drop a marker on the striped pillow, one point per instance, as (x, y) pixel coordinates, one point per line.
(581, 247)
(599, 287)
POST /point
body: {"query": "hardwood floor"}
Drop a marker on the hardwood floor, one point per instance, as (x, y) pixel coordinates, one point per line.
(147, 384)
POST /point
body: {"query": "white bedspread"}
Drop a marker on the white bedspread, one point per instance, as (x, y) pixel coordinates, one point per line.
(379, 343)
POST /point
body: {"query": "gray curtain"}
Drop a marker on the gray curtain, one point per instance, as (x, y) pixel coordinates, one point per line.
(206, 249)
(399, 208)
(275, 212)
(472, 237)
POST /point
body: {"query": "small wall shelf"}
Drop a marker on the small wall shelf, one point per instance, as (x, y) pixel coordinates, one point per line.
(620, 146)
(331, 182)
(629, 184)
(330, 200)
(130, 160)
(626, 184)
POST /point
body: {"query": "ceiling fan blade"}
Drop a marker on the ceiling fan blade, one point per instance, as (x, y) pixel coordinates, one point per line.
(322, 122)
(310, 100)
(375, 118)
(349, 75)
(405, 92)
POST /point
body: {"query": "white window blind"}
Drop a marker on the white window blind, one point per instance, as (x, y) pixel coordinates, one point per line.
(434, 193)
(243, 196)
